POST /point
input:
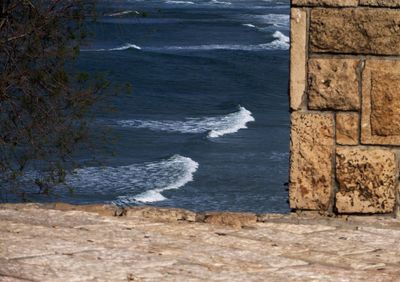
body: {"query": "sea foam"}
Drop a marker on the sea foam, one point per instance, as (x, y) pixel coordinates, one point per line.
(215, 126)
(124, 47)
(174, 173)
(134, 183)
(276, 20)
(281, 42)
(249, 25)
(122, 13)
(180, 2)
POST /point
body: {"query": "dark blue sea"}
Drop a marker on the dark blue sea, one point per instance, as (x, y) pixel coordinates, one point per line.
(206, 126)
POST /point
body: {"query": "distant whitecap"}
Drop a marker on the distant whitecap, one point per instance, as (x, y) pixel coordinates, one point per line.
(179, 2)
(249, 25)
(122, 13)
(124, 47)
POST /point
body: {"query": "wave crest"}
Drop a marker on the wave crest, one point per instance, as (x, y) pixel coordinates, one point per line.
(281, 42)
(124, 47)
(173, 173)
(215, 126)
(129, 182)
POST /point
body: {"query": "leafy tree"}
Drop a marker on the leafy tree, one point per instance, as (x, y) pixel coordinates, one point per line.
(43, 107)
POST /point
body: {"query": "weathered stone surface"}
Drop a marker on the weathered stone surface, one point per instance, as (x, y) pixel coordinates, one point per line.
(347, 128)
(367, 179)
(106, 210)
(355, 30)
(333, 84)
(298, 34)
(51, 245)
(165, 214)
(312, 146)
(381, 3)
(332, 3)
(381, 102)
(236, 220)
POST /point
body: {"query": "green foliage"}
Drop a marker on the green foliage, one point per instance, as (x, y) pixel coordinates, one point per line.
(43, 108)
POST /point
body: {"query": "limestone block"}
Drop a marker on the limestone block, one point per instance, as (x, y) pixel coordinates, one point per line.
(381, 103)
(312, 150)
(381, 3)
(333, 3)
(355, 31)
(347, 128)
(333, 84)
(367, 180)
(298, 52)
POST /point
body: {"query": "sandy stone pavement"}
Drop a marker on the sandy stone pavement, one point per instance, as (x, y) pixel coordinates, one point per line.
(101, 243)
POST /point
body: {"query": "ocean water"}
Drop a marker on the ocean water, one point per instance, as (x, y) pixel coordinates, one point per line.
(206, 126)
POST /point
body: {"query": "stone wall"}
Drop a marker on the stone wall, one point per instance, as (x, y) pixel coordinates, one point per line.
(345, 104)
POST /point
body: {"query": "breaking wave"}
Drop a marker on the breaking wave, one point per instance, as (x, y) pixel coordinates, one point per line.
(220, 2)
(130, 181)
(179, 2)
(249, 25)
(281, 42)
(122, 13)
(126, 46)
(277, 20)
(215, 126)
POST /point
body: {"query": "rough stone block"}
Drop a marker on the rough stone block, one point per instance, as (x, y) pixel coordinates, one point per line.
(298, 53)
(333, 3)
(355, 31)
(381, 3)
(347, 128)
(333, 84)
(312, 150)
(367, 180)
(381, 103)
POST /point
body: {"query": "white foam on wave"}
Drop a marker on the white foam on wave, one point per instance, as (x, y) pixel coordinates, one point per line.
(129, 182)
(282, 42)
(179, 2)
(220, 2)
(184, 170)
(124, 47)
(215, 126)
(277, 20)
(122, 13)
(249, 25)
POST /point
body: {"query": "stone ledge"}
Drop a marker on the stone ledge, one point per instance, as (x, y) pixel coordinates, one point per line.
(43, 244)
(173, 215)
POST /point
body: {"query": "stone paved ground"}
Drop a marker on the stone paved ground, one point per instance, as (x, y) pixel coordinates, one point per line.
(67, 243)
